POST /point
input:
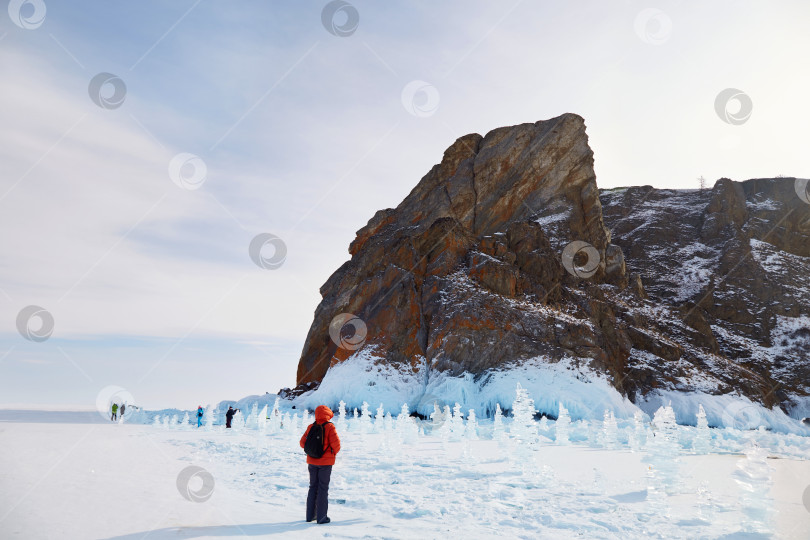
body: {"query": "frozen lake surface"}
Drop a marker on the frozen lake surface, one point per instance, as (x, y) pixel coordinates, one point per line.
(71, 479)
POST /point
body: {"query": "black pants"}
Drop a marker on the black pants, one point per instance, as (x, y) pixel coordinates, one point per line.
(318, 497)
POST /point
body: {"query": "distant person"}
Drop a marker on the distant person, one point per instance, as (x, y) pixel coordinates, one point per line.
(123, 408)
(114, 416)
(321, 444)
(199, 415)
(229, 416)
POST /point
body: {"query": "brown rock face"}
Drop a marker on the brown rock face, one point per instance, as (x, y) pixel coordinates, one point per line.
(471, 273)
(468, 224)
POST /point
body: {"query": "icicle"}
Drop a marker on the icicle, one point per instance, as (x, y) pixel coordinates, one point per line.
(498, 431)
(457, 423)
(340, 422)
(610, 431)
(275, 418)
(379, 418)
(638, 434)
(563, 426)
(663, 450)
(365, 419)
(471, 430)
(702, 443)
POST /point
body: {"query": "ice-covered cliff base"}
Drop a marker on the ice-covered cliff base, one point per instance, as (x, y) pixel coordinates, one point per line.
(585, 393)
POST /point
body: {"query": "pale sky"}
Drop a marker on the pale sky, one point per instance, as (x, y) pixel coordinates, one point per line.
(304, 135)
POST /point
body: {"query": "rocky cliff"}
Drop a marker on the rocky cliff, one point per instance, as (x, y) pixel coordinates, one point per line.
(507, 251)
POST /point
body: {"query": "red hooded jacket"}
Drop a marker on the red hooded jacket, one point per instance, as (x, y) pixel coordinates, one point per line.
(331, 441)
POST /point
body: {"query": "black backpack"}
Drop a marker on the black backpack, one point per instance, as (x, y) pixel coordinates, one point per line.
(313, 446)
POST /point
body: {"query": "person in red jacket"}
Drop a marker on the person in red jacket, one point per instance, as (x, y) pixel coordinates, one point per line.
(320, 469)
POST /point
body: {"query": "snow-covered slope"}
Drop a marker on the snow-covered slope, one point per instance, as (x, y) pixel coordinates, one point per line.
(724, 271)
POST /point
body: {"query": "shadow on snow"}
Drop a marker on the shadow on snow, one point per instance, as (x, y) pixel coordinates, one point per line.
(253, 529)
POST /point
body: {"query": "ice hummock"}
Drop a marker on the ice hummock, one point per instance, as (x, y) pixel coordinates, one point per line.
(567, 385)
(583, 392)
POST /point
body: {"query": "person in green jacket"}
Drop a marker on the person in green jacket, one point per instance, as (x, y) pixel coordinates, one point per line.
(114, 412)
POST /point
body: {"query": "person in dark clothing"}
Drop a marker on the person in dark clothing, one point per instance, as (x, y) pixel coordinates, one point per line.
(229, 416)
(320, 468)
(123, 408)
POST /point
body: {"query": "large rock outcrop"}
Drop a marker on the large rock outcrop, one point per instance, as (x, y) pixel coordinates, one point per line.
(474, 271)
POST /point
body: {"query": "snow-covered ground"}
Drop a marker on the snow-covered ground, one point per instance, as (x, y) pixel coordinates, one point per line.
(403, 478)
